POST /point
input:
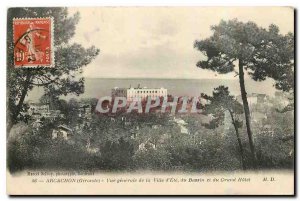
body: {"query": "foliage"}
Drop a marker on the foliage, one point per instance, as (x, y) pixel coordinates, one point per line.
(64, 78)
(263, 52)
(220, 102)
(275, 152)
(202, 150)
(152, 160)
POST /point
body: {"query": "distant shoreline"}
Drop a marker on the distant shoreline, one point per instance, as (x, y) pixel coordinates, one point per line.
(100, 87)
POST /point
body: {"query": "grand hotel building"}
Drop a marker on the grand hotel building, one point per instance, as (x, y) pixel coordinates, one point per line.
(139, 93)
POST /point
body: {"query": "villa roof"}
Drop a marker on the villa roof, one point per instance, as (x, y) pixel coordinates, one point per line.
(64, 127)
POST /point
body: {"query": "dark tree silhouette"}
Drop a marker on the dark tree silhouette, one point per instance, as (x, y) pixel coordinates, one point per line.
(217, 105)
(64, 78)
(260, 52)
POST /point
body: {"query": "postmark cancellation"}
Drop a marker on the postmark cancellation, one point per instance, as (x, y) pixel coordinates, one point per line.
(33, 42)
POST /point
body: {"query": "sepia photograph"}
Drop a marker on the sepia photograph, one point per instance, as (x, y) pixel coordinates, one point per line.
(150, 100)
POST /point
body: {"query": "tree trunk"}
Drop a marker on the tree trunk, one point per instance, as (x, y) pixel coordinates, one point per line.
(239, 140)
(247, 111)
(14, 116)
(10, 124)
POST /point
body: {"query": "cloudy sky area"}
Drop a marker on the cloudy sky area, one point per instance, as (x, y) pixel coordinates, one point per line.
(158, 42)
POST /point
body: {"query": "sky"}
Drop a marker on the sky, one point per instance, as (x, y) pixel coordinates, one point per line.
(157, 42)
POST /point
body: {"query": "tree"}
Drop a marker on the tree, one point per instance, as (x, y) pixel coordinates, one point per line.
(218, 104)
(260, 52)
(52, 101)
(72, 115)
(64, 78)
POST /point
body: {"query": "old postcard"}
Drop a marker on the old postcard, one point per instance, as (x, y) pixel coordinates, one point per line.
(150, 101)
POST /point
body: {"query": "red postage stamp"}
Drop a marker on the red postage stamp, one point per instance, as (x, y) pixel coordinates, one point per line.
(33, 42)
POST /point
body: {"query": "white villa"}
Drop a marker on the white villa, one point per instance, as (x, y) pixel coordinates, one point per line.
(139, 93)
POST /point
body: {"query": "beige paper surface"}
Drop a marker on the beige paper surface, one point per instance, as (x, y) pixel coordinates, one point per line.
(236, 183)
(240, 141)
